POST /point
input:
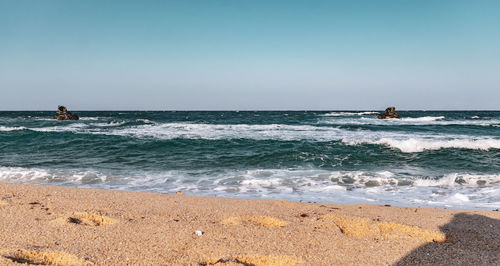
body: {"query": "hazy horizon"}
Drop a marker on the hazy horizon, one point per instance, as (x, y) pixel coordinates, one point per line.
(256, 55)
(255, 110)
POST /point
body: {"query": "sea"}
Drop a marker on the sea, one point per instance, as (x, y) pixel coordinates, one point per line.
(444, 159)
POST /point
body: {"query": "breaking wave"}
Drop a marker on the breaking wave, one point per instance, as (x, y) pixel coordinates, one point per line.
(217, 131)
(23, 175)
(410, 145)
(466, 190)
(89, 118)
(418, 121)
(73, 127)
(248, 179)
(423, 119)
(427, 158)
(6, 129)
(350, 113)
(108, 124)
(405, 142)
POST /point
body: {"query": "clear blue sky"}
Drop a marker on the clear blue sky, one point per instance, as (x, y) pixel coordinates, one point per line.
(191, 55)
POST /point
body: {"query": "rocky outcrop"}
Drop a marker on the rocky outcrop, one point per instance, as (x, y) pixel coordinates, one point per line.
(63, 114)
(390, 112)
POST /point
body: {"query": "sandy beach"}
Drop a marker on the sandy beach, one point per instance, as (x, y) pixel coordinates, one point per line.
(255, 133)
(73, 226)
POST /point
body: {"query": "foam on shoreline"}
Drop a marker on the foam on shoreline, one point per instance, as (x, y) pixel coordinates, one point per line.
(452, 190)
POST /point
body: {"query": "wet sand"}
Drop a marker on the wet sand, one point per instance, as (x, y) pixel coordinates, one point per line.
(72, 226)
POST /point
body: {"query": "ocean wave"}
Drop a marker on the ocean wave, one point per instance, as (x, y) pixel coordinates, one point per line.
(349, 113)
(89, 118)
(81, 118)
(7, 129)
(462, 190)
(108, 124)
(36, 175)
(271, 178)
(418, 121)
(405, 142)
(410, 145)
(218, 131)
(422, 119)
(197, 131)
(313, 179)
(251, 179)
(73, 127)
(458, 179)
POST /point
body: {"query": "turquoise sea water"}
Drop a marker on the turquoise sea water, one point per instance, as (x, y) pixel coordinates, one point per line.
(428, 158)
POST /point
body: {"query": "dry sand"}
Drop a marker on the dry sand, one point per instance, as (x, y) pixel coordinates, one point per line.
(71, 226)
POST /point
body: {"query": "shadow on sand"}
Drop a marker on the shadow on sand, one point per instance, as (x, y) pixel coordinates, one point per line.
(471, 239)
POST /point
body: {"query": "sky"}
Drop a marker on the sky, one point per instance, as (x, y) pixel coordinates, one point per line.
(249, 55)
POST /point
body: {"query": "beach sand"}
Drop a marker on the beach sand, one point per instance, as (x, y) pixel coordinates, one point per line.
(73, 226)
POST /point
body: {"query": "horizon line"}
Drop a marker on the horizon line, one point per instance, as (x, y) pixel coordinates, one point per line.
(257, 110)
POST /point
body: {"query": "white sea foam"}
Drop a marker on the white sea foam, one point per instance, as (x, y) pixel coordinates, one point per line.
(456, 179)
(455, 190)
(81, 118)
(404, 119)
(217, 131)
(420, 145)
(467, 191)
(405, 142)
(419, 121)
(36, 175)
(261, 178)
(89, 118)
(457, 198)
(198, 131)
(108, 124)
(73, 127)
(6, 129)
(52, 119)
(349, 113)
(423, 118)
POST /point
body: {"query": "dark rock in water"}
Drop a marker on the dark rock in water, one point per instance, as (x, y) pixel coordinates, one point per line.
(389, 113)
(63, 114)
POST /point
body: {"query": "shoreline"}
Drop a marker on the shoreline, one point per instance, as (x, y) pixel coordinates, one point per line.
(381, 203)
(75, 226)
